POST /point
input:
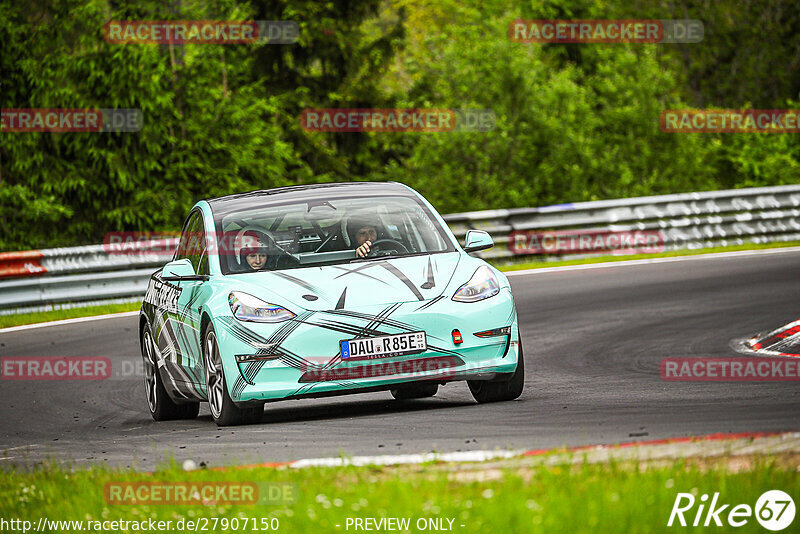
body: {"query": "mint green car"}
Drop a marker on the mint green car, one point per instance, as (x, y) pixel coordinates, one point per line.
(319, 290)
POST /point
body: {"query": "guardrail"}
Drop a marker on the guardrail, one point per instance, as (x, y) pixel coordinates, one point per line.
(683, 221)
(686, 221)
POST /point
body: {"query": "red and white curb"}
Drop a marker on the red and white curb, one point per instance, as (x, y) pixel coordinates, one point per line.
(783, 341)
(680, 447)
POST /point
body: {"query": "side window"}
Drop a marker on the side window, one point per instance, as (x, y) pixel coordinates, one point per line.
(183, 243)
(193, 244)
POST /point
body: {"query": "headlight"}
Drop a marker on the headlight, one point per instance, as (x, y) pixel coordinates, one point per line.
(249, 308)
(482, 285)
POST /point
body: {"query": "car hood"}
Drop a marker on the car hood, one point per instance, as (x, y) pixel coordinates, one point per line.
(354, 285)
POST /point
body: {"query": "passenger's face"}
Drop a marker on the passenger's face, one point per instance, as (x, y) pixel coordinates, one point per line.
(366, 233)
(257, 260)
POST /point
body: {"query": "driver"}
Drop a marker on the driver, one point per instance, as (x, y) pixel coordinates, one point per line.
(253, 252)
(362, 232)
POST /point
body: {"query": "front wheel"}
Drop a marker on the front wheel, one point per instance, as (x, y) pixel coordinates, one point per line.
(223, 410)
(484, 391)
(162, 407)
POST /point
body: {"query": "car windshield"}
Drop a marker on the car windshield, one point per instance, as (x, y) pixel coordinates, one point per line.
(324, 231)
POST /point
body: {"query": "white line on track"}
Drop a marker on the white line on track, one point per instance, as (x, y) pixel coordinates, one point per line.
(396, 459)
(647, 261)
(21, 447)
(68, 321)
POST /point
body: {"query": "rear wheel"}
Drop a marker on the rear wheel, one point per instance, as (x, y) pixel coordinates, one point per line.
(418, 390)
(486, 391)
(223, 410)
(162, 407)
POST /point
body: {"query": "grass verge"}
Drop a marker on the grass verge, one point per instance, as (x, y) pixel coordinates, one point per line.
(57, 315)
(517, 497)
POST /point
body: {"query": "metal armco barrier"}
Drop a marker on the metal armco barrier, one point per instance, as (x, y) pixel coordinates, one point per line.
(685, 221)
(92, 258)
(72, 288)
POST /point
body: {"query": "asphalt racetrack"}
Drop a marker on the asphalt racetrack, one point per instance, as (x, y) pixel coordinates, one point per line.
(593, 341)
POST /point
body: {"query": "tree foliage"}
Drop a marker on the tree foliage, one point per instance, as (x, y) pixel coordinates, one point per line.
(574, 122)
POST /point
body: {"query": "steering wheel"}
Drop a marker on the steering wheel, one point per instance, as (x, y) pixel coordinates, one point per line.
(282, 260)
(372, 250)
(276, 262)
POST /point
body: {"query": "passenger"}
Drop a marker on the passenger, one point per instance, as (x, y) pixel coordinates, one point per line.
(254, 250)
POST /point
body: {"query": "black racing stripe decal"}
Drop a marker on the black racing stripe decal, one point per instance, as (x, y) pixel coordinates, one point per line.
(299, 282)
(512, 316)
(243, 334)
(430, 303)
(171, 339)
(380, 318)
(250, 372)
(278, 337)
(359, 315)
(288, 358)
(250, 337)
(340, 303)
(298, 362)
(358, 271)
(181, 336)
(430, 283)
(334, 361)
(302, 389)
(345, 328)
(443, 350)
(187, 310)
(403, 278)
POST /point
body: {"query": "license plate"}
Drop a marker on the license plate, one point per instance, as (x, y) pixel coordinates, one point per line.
(384, 346)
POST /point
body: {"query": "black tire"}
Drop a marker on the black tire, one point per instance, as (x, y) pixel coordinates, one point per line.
(417, 390)
(161, 406)
(223, 410)
(487, 391)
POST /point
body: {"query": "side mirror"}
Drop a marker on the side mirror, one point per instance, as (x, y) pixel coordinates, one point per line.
(477, 240)
(178, 270)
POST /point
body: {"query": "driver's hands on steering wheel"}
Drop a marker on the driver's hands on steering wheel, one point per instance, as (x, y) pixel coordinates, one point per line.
(370, 248)
(363, 250)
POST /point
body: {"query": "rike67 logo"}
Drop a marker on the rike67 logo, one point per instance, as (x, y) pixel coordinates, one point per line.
(774, 510)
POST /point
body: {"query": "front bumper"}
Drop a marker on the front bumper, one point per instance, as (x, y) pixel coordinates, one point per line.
(301, 357)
